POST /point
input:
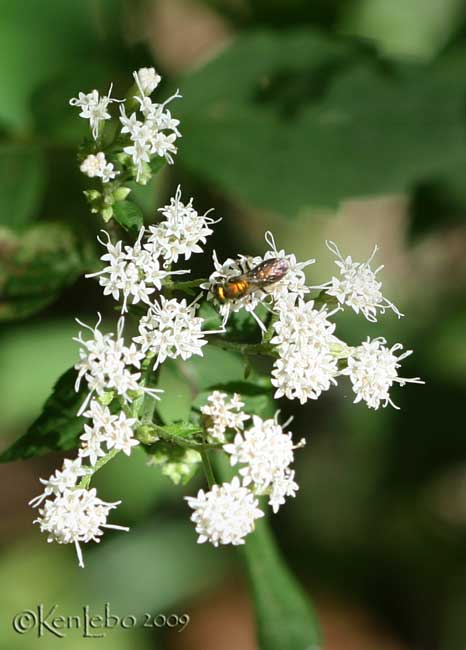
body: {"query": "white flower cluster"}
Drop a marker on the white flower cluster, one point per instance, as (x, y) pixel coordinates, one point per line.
(358, 286)
(227, 513)
(113, 431)
(137, 272)
(310, 357)
(373, 369)
(151, 133)
(94, 108)
(292, 283)
(181, 233)
(132, 271)
(222, 413)
(97, 166)
(303, 337)
(299, 333)
(74, 516)
(171, 329)
(107, 364)
(156, 133)
(266, 452)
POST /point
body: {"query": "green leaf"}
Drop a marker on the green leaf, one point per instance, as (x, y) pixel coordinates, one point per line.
(35, 265)
(156, 164)
(128, 215)
(21, 183)
(285, 620)
(175, 402)
(38, 343)
(33, 50)
(309, 121)
(57, 428)
(214, 367)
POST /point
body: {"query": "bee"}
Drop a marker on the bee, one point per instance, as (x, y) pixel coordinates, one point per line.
(259, 277)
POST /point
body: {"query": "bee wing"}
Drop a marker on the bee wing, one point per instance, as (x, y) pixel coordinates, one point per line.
(267, 272)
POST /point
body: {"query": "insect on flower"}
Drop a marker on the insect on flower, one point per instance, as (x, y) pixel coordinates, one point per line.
(264, 274)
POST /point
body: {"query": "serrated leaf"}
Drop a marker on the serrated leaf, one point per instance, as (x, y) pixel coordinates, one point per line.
(35, 265)
(128, 215)
(57, 428)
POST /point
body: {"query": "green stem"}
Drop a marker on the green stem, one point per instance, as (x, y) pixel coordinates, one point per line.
(262, 349)
(150, 433)
(207, 465)
(184, 285)
(85, 481)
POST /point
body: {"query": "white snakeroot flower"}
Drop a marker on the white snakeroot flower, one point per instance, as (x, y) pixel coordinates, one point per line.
(300, 325)
(291, 284)
(181, 233)
(113, 431)
(358, 286)
(228, 270)
(121, 436)
(154, 136)
(304, 338)
(61, 480)
(304, 374)
(131, 271)
(171, 329)
(294, 281)
(146, 80)
(97, 166)
(107, 364)
(75, 516)
(225, 514)
(94, 108)
(283, 486)
(223, 413)
(264, 450)
(373, 369)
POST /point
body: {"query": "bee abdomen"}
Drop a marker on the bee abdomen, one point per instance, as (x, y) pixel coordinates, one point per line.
(236, 289)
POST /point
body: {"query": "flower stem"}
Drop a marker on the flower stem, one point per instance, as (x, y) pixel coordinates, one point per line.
(184, 286)
(149, 434)
(84, 482)
(261, 349)
(207, 465)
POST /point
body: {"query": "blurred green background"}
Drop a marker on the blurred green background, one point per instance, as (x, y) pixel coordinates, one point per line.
(313, 118)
